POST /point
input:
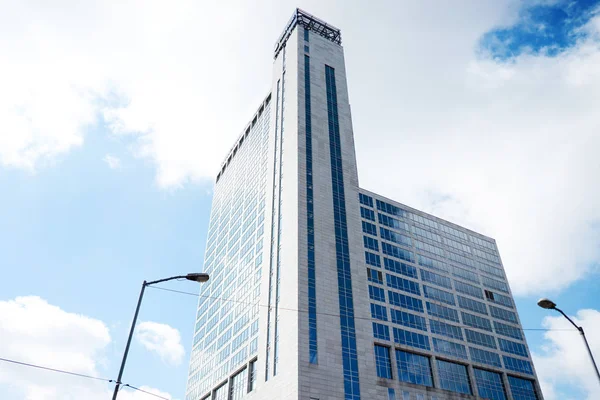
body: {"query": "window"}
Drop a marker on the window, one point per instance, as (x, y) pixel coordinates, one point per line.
(513, 347)
(450, 348)
(397, 252)
(376, 293)
(429, 248)
(485, 357)
(390, 209)
(372, 259)
(400, 268)
(371, 243)
(383, 363)
(252, 376)
(413, 368)
(499, 298)
(402, 284)
(522, 389)
(306, 49)
(375, 276)
(507, 330)
(489, 295)
(468, 289)
(395, 237)
(437, 279)
(453, 377)
(473, 305)
(391, 394)
(237, 387)
(490, 270)
(480, 338)
(366, 200)
(436, 310)
(501, 313)
(367, 214)
(435, 264)
(424, 221)
(412, 339)
(381, 331)
(494, 284)
(439, 295)
(465, 274)
(392, 222)
(442, 328)
(426, 234)
(378, 312)
(369, 228)
(405, 395)
(306, 35)
(489, 384)
(476, 322)
(401, 300)
(408, 319)
(515, 364)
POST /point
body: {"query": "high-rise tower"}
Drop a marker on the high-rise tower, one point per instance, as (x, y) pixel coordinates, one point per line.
(322, 290)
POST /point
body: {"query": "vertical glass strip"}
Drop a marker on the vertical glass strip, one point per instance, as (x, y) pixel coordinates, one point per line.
(310, 223)
(348, 333)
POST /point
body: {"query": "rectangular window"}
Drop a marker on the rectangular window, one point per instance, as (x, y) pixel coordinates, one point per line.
(383, 363)
(381, 331)
(515, 364)
(392, 222)
(490, 270)
(489, 384)
(501, 313)
(391, 394)
(367, 214)
(513, 347)
(450, 348)
(499, 298)
(252, 376)
(414, 368)
(494, 284)
(402, 284)
(465, 274)
(442, 328)
(437, 310)
(376, 293)
(378, 312)
(429, 248)
(453, 377)
(436, 279)
(485, 357)
(468, 289)
(480, 338)
(473, 305)
(372, 259)
(306, 37)
(412, 339)
(397, 252)
(439, 295)
(522, 389)
(375, 276)
(369, 228)
(390, 209)
(424, 221)
(476, 322)
(432, 263)
(395, 237)
(371, 243)
(238, 385)
(366, 200)
(408, 319)
(306, 49)
(426, 234)
(400, 268)
(507, 330)
(404, 301)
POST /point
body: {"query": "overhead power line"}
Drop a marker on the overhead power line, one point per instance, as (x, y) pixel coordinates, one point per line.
(318, 312)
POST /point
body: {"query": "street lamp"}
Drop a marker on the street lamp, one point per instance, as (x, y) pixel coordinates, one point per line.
(196, 277)
(550, 305)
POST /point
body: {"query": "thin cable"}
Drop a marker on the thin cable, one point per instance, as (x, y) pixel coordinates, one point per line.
(318, 312)
(55, 370)
(144, 391)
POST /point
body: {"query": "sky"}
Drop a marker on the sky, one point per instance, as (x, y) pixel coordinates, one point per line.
(115, 117)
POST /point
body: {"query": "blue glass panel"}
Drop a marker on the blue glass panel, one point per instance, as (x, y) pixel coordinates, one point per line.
(381, 331)
(413, 368)
(522, 389)
(518, 365)
(450, 348)
(453, 377)
(513, 347)
(485, 357)
(383, 364)
(404, 301)
(400, 267)
(412, 339)
(489, 384)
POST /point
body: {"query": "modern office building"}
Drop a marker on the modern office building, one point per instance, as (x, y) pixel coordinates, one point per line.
(321, 290)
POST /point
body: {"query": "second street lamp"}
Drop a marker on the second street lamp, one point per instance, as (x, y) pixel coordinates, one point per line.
(196, 277)
(550, 305)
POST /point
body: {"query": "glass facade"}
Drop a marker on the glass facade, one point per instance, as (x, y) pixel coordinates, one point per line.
(489, 384)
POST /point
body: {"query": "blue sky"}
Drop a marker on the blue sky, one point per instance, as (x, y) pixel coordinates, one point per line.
(108, 153)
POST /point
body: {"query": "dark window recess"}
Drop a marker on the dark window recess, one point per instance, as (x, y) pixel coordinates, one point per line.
(489, 295)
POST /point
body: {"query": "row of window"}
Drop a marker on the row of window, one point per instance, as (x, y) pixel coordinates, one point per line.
(416, 369)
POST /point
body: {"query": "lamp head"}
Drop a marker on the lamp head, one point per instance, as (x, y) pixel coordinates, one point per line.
(197, 277)
(547, 304)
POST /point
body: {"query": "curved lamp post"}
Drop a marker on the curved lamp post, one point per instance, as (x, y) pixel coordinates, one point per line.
(196, 277)
(550, 305)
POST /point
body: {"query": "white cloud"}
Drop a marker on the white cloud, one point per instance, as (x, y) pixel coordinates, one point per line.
(36, 332)
(507, 149)
(129, 394)
(564, 359)
(112, 161)
(162, 339)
